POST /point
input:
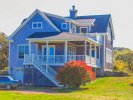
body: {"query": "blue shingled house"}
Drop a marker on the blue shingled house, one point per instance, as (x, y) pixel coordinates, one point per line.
(44, 42)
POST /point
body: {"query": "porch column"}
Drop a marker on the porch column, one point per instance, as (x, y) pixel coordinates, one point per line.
(90, 53)
(85, 50)
(95, 54)
(47, 52)
(66, 51)
(29, 47)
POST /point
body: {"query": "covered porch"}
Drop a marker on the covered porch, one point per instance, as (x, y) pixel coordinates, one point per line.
(57, 51)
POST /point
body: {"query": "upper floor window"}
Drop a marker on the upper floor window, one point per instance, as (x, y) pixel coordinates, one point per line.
(36, 25)
(64, 26)
(22, 49)
(109, 55)
(83, 29)
(73, 29)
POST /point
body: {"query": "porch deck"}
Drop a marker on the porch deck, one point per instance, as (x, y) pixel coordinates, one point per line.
(61, 59)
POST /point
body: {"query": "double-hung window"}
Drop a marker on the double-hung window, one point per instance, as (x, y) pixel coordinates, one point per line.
(23, 49)
(36, 25)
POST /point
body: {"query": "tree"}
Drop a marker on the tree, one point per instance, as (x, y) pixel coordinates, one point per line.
(3, 51)
(124, 56)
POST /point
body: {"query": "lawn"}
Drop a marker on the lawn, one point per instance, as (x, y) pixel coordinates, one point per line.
(107, 88)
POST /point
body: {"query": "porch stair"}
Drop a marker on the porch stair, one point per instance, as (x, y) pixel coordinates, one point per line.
(45, 70)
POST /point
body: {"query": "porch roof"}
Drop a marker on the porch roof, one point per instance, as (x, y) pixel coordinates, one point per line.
(59, 37)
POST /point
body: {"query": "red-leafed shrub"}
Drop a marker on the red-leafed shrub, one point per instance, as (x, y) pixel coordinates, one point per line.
(75, 73)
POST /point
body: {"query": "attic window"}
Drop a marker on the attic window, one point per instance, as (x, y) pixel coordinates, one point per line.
(64, 26)
(36, 25)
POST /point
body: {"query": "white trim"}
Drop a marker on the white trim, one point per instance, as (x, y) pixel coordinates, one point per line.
(29, 47)
(9, 59)
(62, 24)
(37, 25)
(109, 56)
(66, 50)
(43, 46)
(36, 48)
(104, 45)
(84, 27)
(75, 29)
(28, 19)
(112, 29)
(70, 28)
(85, 50)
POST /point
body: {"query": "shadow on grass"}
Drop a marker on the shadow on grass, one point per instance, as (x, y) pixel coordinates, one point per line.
(116, 74)
(34, 90)
(69, 90)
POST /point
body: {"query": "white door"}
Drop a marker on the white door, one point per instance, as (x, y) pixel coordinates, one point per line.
(18, 74)
(51, 53)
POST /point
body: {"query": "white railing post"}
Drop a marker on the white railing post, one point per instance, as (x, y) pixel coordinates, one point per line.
(85, 49)
(47, 52)
(95, 55)
(90, 53)
(66, 51)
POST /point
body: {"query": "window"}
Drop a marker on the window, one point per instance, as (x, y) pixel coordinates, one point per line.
(22, 49)
(109, 34)
(109, 55)
(64, 26)
(36, 25)
(71, 50)
(73, 29)
(83, 30)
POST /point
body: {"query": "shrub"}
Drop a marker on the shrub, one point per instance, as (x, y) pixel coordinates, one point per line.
(75, 73)
(131, 83)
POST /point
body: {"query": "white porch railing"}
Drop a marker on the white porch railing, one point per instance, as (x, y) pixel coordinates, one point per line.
(59, 59)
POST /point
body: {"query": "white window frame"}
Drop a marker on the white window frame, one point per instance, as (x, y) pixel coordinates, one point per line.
(37, 24)
(18, 50)
(62, 24)
(84, 27)
(109, 34)
(74, 26)
(109, 56)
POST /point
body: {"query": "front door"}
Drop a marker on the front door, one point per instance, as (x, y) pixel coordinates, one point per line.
(51, 53)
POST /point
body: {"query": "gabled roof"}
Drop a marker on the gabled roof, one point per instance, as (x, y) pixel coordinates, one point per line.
(25, 21)
(100, 23)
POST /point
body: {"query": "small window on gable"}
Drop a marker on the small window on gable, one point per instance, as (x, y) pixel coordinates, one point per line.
(36, 25)
(64, 26)
(83, 29)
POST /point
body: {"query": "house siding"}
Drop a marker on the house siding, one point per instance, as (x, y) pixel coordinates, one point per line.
(22, 35)
(34, 77)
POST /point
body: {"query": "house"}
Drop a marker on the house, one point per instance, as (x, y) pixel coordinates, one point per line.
(44, 42)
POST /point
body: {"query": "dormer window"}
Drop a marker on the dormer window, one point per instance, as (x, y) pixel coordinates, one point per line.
(36, 25)
(83, 29)
(64, 26)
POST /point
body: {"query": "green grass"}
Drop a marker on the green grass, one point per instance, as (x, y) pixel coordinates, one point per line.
(107, 88)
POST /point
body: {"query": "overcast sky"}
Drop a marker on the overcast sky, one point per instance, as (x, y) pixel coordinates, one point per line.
(12, 12)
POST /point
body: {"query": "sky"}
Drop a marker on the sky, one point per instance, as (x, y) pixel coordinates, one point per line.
(12, 12)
